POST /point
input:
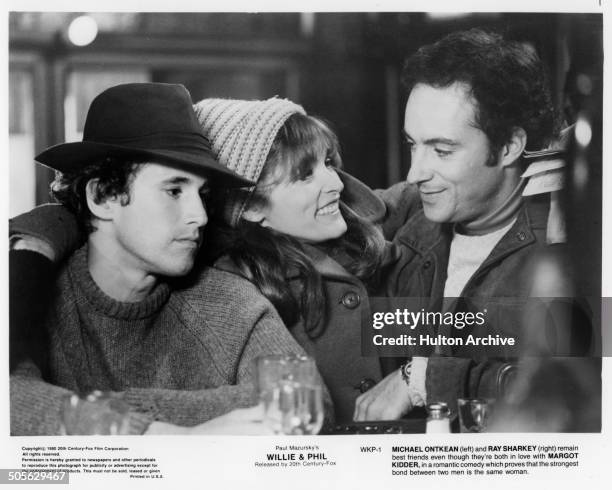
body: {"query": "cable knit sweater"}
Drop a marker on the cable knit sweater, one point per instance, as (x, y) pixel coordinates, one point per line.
(183, 355)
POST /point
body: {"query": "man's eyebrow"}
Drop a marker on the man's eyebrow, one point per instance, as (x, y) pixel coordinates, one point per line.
(176, 180)
(179, 179)
(443, 141)
(434, 141)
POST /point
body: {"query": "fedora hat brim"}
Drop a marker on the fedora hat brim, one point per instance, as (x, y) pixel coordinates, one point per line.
(70, 157)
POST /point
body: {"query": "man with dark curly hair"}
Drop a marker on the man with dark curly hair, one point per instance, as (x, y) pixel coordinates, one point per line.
(478, 106)
(120, 318)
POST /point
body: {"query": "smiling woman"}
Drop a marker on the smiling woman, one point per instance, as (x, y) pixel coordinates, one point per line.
(298, 192)
(294, 236)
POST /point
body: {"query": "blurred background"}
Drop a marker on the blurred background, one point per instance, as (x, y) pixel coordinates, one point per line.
(344, 67)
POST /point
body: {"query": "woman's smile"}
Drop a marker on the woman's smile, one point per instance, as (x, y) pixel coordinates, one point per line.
(329, 209)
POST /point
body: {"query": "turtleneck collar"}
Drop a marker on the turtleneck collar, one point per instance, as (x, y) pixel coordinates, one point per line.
(79, 273)
(497, 218)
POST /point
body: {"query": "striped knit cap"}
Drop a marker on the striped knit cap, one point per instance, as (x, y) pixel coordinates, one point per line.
(241, 133)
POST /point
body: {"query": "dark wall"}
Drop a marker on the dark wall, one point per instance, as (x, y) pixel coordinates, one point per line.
(343, 81)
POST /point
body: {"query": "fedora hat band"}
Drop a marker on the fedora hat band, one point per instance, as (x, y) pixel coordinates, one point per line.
(175, 141)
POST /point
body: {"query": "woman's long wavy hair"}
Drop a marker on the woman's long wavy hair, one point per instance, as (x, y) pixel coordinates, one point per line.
(266, 257)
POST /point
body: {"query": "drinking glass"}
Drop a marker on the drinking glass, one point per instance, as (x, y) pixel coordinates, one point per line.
(474, 414)
(97, 413)
(291, 394)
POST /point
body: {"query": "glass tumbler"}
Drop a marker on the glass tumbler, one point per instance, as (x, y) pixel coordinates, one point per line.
(291, 393)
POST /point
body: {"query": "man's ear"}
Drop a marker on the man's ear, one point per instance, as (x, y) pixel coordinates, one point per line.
(102, 210)
(514, 148)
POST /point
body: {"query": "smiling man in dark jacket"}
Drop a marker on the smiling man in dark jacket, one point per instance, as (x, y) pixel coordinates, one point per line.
(478, 110)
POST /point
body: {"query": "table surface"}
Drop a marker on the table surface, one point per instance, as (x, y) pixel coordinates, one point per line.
(381, 427)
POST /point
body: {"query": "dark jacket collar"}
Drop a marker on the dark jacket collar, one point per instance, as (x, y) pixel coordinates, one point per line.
(422, 235)
(431, 242)
(529, 227)
(324, 264)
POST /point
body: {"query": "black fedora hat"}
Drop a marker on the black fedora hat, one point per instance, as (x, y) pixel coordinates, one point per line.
(146, 121)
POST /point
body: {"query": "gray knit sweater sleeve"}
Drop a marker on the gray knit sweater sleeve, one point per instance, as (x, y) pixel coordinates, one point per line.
(237, 324)
(36, 406)
(189, 408)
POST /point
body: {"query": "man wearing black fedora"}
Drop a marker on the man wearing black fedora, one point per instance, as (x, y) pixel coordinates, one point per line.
(122, 317)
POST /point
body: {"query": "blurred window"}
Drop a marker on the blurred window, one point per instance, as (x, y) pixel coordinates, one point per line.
(22, 172)
(82, 87)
